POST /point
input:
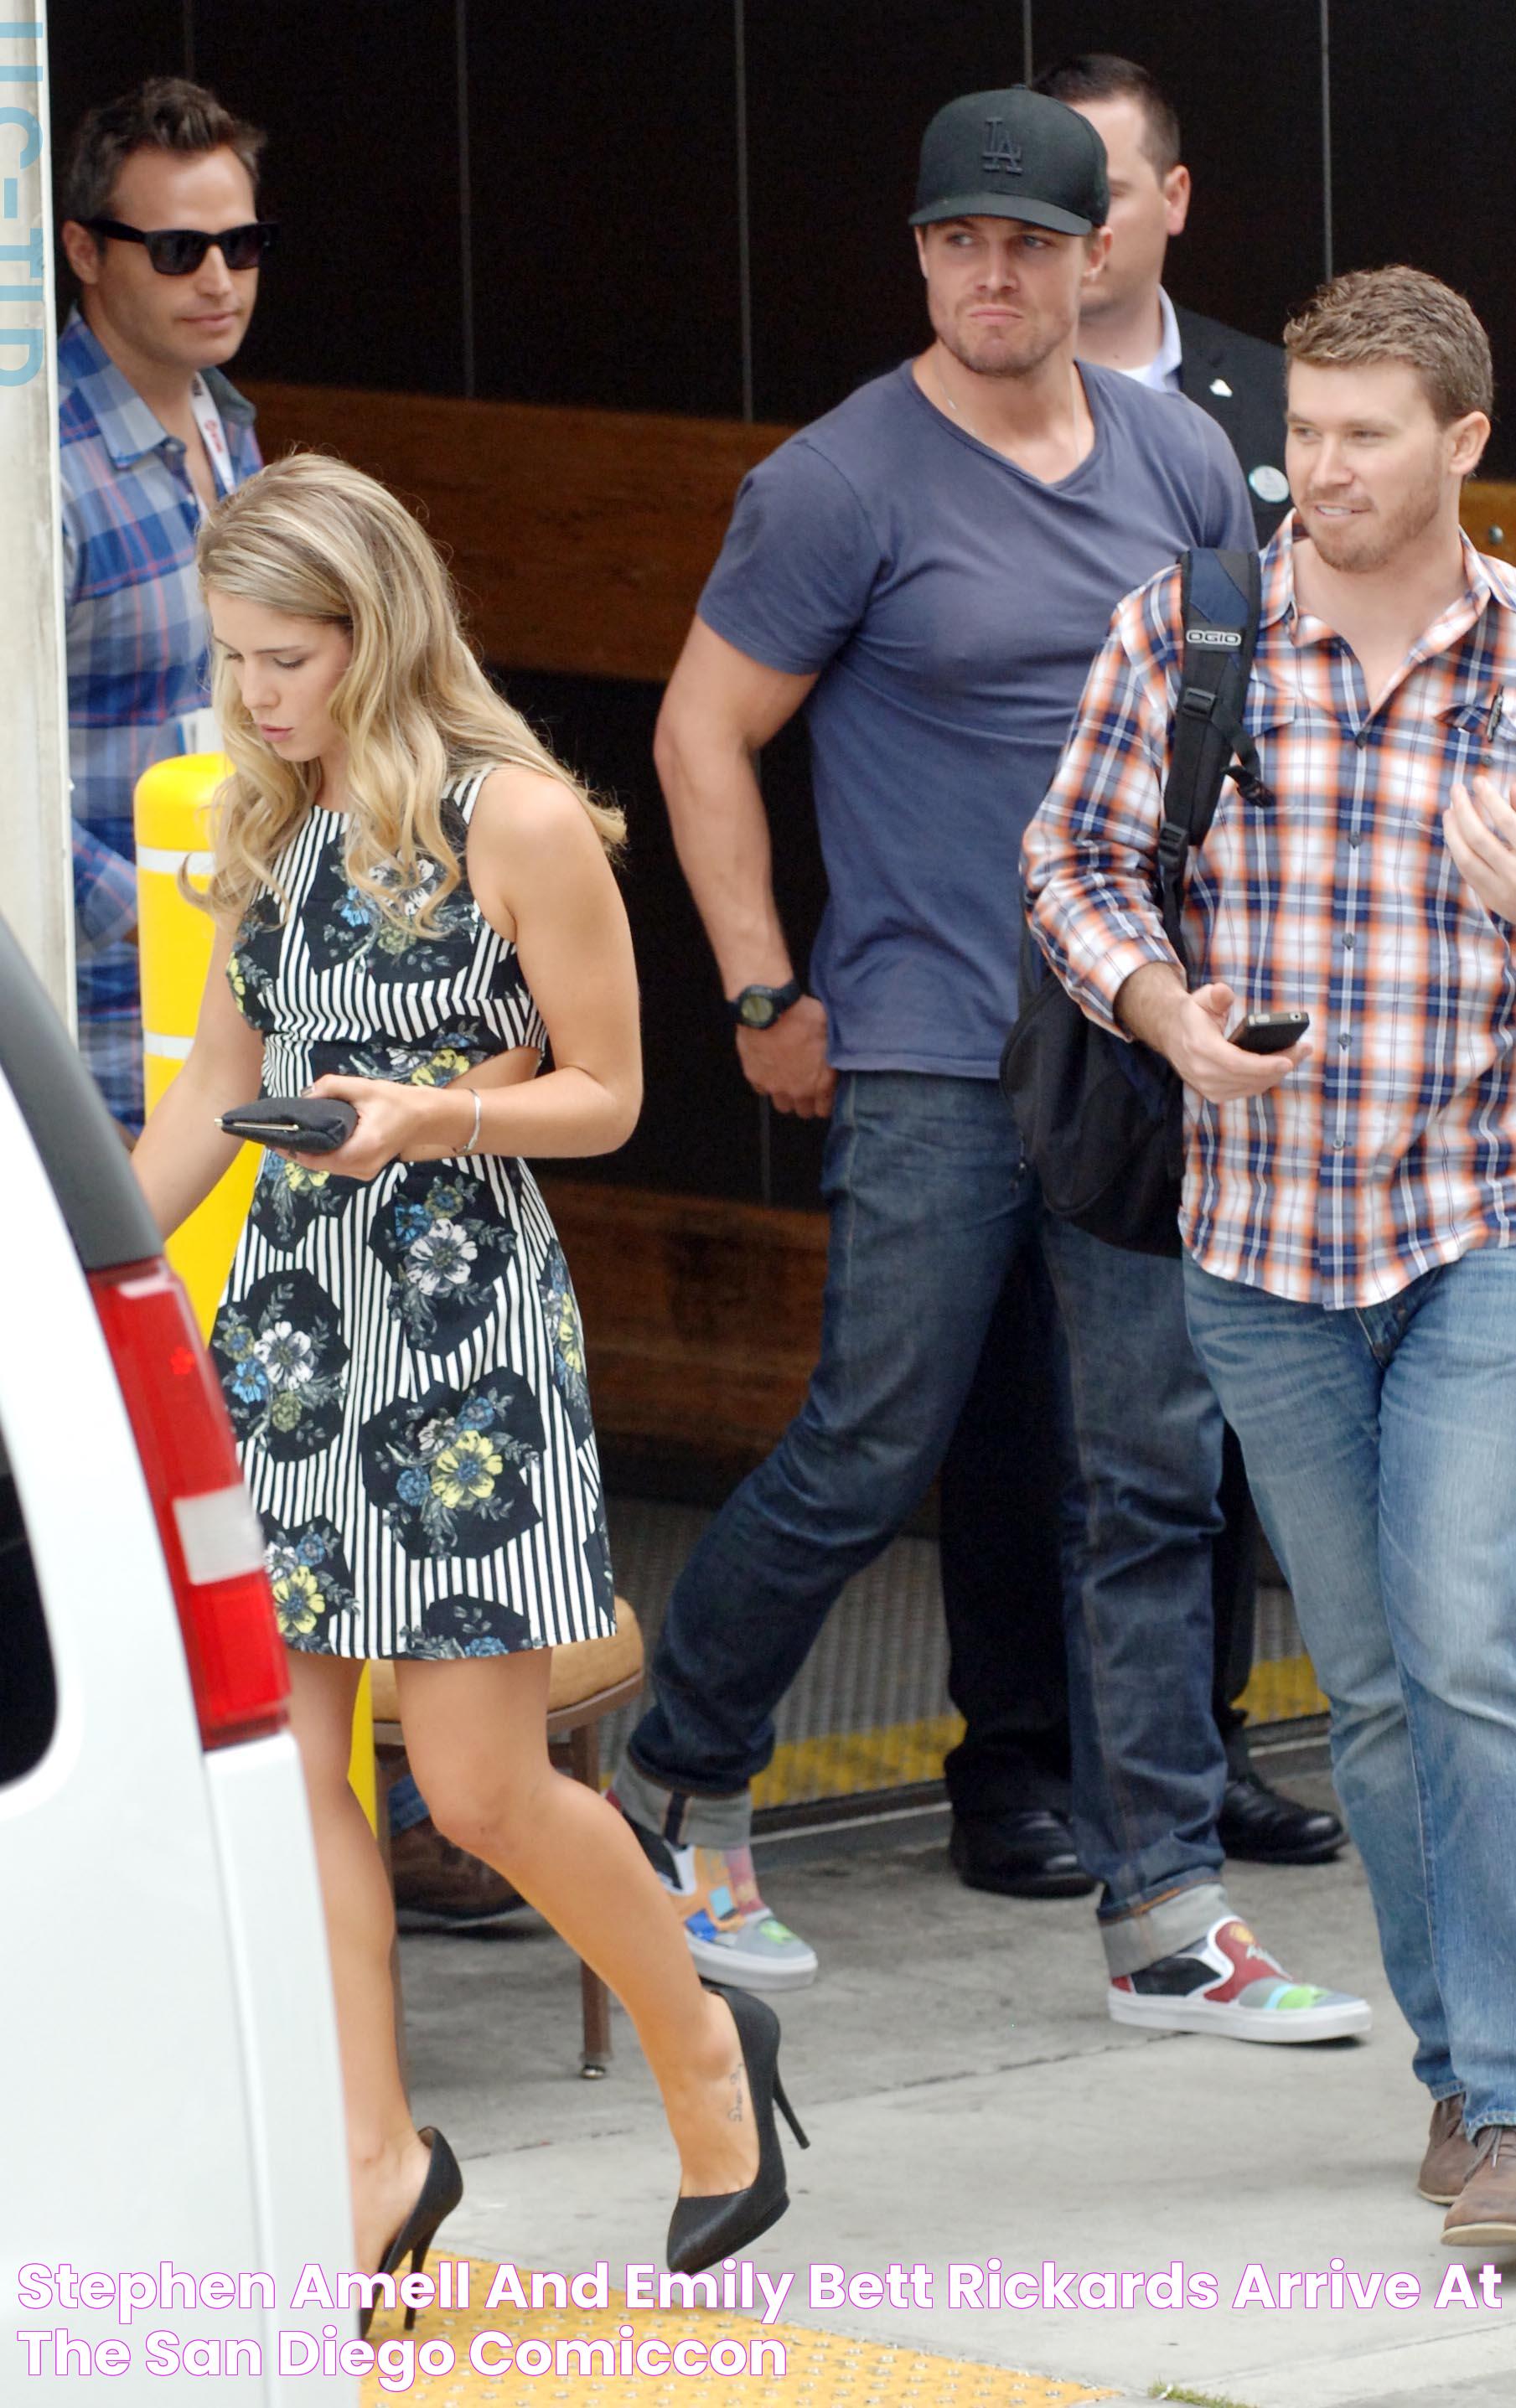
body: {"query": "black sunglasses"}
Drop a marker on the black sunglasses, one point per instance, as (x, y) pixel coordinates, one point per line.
(177, 251)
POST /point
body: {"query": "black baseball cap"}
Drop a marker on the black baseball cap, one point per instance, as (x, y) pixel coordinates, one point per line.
(1013, 155)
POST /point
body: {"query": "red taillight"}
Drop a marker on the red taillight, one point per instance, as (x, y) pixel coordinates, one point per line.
(209, 1533)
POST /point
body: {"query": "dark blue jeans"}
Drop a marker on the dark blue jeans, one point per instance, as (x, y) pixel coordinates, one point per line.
(929, 1197)
(1382, 1447)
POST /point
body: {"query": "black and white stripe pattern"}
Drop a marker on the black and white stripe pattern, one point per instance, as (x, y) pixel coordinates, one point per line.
(549, 1583)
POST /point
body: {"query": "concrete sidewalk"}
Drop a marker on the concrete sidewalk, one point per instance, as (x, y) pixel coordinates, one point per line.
(968, 2100)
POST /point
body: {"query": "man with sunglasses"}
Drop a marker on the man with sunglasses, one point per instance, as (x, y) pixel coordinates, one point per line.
(158, 218)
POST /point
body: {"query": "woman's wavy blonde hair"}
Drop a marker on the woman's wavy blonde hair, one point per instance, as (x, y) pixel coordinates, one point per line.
(314, 538)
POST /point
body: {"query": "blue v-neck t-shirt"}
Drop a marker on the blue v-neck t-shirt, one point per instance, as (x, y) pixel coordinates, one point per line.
(952, 604)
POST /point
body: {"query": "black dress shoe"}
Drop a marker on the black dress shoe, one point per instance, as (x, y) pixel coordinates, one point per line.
(438, 2196)
(707, 2228)
(1028, 1855)
(1259, 1825)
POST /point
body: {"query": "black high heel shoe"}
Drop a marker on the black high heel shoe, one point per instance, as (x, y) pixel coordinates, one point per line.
(436, 2199)
(701, 2231)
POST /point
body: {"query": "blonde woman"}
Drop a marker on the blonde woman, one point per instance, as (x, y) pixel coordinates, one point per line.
(409, 890)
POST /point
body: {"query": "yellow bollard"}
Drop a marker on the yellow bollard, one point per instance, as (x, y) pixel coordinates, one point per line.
(362, 1778)
(172, 817)
(173, 801)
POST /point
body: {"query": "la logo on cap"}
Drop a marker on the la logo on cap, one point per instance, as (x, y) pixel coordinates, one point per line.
(1000, 153)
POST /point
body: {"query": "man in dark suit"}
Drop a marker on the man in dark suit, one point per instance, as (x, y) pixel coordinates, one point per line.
(1127, 319)
(1006, 1782)
(1240, 382)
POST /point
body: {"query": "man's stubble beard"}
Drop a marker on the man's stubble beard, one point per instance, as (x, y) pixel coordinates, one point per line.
(1382, 544)
(992, 358)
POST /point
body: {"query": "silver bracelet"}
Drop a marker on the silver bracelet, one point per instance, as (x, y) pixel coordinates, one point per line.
(479, 1111)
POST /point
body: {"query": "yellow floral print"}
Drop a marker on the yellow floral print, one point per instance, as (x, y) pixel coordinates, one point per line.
(466, 1468)
(570, 1342)
(440, 1070)
(297, 1601)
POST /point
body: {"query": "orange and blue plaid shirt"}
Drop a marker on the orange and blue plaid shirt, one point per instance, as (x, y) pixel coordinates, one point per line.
(1393, 1148)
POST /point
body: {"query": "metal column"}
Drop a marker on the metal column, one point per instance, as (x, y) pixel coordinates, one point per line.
(36, 890)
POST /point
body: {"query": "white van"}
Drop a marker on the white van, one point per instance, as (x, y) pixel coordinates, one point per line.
(171, 2105)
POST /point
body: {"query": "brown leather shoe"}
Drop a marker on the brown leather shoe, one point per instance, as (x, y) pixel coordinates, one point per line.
(1451, 2154)
(439, 1888)
(1483, 2215)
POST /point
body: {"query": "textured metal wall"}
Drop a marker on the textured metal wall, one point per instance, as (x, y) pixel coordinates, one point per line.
(870, 1712)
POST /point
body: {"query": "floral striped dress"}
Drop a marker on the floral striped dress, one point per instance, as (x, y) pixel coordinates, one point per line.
(401, 1356)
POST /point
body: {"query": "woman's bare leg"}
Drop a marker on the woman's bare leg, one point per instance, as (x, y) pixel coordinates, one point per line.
(476, 1734)
(386, 2160)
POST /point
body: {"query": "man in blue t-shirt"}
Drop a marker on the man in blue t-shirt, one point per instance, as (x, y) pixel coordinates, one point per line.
(1007, 1781)
(927, 571)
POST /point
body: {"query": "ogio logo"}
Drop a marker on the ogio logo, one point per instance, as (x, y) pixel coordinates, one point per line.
(1218, 640)
(1000, 151)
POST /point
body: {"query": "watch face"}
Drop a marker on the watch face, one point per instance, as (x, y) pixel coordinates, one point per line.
(756, 1009)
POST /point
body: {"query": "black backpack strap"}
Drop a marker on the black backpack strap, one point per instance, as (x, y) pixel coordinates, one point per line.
(1219, 602)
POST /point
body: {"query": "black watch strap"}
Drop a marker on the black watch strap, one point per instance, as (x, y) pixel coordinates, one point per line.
(759, 1006)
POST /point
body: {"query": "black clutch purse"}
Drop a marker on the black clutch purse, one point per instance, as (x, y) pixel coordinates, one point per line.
(300, 1123)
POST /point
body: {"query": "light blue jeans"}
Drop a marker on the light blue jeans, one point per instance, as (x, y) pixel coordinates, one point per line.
(1380, 1444)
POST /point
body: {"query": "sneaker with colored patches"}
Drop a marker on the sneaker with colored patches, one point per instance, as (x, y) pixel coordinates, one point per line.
(733, 1937)
(1226, 1984)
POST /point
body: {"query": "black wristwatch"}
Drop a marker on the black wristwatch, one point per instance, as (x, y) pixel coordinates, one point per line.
(759, 1006)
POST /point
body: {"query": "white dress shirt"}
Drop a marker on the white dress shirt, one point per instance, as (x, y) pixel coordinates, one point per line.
(1162, 370)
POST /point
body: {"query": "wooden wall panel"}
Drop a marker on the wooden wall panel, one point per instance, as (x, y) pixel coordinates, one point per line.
(580, 538)
(1490, 515)
(702, 1318)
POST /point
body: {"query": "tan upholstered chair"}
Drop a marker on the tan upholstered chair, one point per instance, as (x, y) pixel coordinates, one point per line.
(587, 1682)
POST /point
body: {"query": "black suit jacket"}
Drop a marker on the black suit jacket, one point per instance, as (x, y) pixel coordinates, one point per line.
(1250, 410)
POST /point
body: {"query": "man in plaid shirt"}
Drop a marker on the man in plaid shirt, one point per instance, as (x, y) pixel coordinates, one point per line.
(1349, 1205)
(149, 433)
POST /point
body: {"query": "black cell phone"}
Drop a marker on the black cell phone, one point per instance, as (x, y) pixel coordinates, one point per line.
(301, 1124)
(1269, 1032)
